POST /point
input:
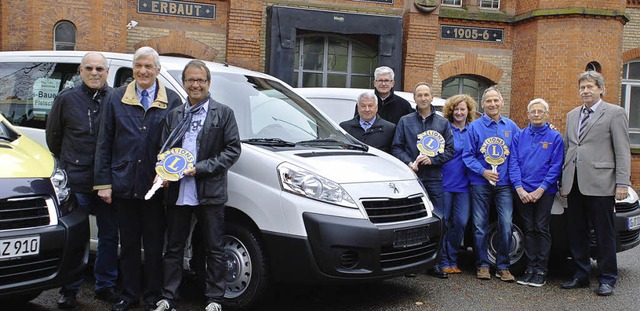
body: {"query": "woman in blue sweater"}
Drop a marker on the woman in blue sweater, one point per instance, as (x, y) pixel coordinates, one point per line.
(459, 110)
(535, 165)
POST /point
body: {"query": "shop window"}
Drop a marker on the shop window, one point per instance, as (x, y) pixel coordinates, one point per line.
(333, 61)
(490, 4)
(64, 36)
(452, 2)
(471, 85)
(631, 99)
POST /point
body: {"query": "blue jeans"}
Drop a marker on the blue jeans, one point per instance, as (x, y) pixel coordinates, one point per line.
(481, 197)
(457, 209)
(435, 192)
(105, 268)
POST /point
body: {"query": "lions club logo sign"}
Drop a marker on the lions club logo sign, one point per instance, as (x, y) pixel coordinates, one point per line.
(173, 162)
(495, 150)
(430, 143)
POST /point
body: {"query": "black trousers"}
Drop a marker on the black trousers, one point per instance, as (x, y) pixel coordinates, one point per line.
(211, 221)
(599, 210)
(141, 220)
(537, 237)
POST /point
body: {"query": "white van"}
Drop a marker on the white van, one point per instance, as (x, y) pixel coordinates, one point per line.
(306, 202)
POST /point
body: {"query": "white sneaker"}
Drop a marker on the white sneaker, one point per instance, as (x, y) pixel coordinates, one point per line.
(164, 305)
(213, 307)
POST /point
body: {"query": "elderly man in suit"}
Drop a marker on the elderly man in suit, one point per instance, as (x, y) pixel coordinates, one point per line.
(596, 171)
(367, 126)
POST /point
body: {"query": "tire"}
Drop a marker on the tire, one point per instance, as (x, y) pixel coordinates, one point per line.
(246, 275)
(516, 252)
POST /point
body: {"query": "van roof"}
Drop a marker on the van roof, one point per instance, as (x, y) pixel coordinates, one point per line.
(167, 62)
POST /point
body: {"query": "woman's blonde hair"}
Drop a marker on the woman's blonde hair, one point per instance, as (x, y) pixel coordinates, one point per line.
(453, 101)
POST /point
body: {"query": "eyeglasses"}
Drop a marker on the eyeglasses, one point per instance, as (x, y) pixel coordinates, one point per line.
(537, 112)
(91, 68)
(384, 81)
(192, 81)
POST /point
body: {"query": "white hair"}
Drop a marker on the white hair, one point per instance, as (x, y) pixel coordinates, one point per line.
(538, 101)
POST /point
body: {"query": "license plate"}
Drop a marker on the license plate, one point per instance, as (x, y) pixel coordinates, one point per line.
(410, 237)
(19, 247)
(634, 223)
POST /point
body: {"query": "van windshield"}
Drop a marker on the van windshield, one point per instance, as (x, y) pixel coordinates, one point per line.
(269, 113)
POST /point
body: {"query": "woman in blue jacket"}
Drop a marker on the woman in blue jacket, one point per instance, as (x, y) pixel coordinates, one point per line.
(459, 110)
(535, 165)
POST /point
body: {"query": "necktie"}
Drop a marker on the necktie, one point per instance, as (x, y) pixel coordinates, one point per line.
(145, 99)
(367, 125)
(585, 121)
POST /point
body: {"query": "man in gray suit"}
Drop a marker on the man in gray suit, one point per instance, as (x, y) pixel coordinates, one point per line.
(596, 171)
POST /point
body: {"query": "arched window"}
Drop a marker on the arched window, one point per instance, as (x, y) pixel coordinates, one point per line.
(631, 99)
(471, 85)
(333, 61)
(64, 36)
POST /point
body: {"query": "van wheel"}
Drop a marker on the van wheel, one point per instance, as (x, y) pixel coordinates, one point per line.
(516, 251)
(246, 273)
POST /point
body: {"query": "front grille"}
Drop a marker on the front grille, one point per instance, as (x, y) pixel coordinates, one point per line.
(392, 210)
(626, 207)
(397, 257)
(21, 213)
(29, 268)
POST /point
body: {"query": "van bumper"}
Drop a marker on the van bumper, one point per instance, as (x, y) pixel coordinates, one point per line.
(63, 257)
(339, 249)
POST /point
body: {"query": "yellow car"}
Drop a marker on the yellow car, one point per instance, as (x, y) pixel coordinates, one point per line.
(44, 238)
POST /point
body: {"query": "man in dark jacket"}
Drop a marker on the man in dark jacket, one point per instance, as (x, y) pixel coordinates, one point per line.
(209, 131)
(424, 142)
(127, 150)
(72, 130)
(391, 107)
(367, 126)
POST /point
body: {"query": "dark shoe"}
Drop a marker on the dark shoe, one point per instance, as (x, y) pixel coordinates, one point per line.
(67, 301)
(152, 305)
(124, 305)
(524, 280)
(575, 283)
(437, 272)
(604, 290)
(538, 280)
(410, 275)
(108, 294)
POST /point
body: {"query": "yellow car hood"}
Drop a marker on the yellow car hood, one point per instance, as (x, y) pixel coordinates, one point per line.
(24, 158)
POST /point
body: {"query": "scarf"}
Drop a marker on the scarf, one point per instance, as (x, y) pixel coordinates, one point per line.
(181, 129)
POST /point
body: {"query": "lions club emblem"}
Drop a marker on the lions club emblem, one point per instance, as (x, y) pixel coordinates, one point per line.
(173, 162)
(430, 143)
(495, 150)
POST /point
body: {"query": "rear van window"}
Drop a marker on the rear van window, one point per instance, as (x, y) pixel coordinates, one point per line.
(27, 90)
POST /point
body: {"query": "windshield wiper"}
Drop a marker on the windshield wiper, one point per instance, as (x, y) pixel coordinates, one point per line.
(269, 142)
(333, 142)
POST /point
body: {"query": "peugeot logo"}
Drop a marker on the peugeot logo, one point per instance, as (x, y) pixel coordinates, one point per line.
(393, 186)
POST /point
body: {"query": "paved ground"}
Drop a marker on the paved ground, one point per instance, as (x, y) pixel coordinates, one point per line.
(459, 292)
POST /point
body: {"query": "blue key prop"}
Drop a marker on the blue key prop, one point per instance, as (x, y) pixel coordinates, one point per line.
(171, 166)
(430, 143)
(495, 152)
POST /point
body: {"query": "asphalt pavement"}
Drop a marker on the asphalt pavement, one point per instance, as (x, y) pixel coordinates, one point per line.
(423, 292)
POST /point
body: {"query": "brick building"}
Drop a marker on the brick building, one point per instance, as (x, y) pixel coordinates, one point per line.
(529, 48)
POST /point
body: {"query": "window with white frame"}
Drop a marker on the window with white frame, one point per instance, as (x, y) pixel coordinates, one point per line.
(64, 36)
(490, 4)
(631, 99)
(452, 2)
(322, 60)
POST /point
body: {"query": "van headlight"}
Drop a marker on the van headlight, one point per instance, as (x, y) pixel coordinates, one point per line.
(302, 182)
(59, 181)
